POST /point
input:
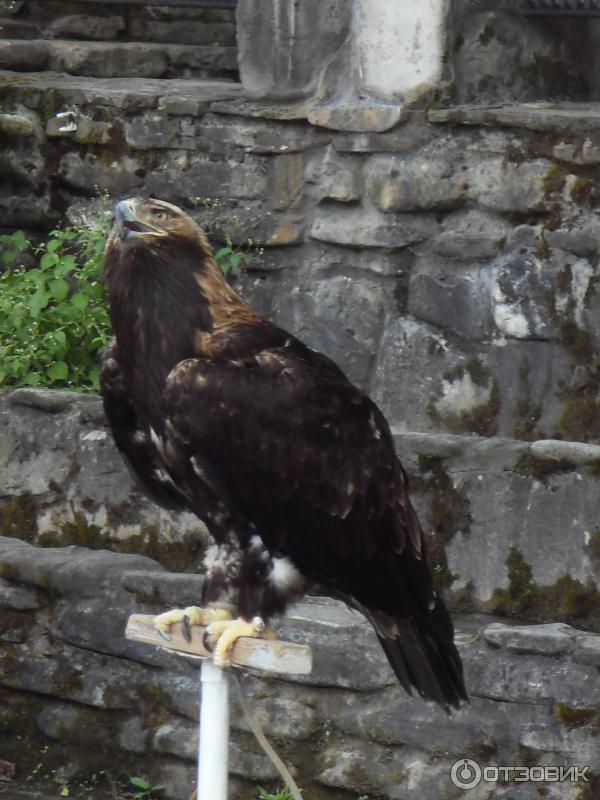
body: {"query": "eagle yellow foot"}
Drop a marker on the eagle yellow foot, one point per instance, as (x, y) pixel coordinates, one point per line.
(221, 636)
(190, 616)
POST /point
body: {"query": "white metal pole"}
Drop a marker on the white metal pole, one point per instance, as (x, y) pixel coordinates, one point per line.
(213, 743)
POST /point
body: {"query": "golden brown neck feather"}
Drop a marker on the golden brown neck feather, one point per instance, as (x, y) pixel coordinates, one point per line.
(226, 306)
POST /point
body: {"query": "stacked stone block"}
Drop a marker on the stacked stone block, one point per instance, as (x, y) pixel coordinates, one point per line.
(118, 40)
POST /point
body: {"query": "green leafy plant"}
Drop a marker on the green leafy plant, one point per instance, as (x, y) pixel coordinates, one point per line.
(144, 789)
(282, 794)
(54, 316)
(230, 257)
(236, 231)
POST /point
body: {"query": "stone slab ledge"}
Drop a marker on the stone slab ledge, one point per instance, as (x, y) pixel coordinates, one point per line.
(533, 116)
(446, 445)
(124, 93)
(494, 450)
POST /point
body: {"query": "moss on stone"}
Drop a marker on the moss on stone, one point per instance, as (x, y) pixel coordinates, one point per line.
(593, 550)
(564, 279)
(442, 576)
(11, 620)
(591, 789)
(593, 467)
(481, 419)
(18, 518)
(89, 505)
(527, 413)
(528, 757)
(462, 599)
(154, 695)
(583, 191)
(9, 662)
(577, 342)
(541, 468)
(573, 718)
(68, 682)
(555, 78)
(554, 179)
(487, 34)
(8, 572)
(38, 758)
(180, 555)
(451, 513)
(401, 290)
(153, 598)
(580, 420)
(119, 147)
(519, 597)
(566, 600)
(76, 531)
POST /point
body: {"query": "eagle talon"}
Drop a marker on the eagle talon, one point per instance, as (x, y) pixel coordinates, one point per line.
(206, 641)
(223, 636)
(186, 628)
(188, 617)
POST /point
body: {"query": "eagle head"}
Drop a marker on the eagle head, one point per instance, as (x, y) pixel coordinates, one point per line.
(149, 223)
(166, 291)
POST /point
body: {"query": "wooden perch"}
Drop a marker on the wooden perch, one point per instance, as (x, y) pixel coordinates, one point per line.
(270, 655)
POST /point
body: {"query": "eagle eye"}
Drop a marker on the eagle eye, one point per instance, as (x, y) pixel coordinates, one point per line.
(160, 215)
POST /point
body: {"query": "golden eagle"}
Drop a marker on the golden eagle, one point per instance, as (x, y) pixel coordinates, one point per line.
(290, 466)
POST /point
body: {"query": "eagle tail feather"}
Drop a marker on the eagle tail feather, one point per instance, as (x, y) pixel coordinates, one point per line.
(426, 662)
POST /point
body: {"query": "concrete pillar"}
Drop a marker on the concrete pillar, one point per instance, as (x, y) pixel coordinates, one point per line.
(359, 61)
(399, 46)
(285, 46)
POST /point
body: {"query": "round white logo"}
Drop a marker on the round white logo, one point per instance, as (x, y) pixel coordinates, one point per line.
(465, 773)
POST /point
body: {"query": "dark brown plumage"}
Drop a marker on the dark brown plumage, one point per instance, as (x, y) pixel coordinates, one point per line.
(290, 466)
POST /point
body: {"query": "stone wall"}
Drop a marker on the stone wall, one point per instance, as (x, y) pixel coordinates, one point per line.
(448, 264)
(448, 259)
(118, 40)
(500, 54)
(87, 700)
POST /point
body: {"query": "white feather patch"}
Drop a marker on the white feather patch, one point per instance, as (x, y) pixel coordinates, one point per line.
(284, 576)
(224, 559)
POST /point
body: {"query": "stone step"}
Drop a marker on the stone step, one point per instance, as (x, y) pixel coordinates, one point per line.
(194, 32)
(17, 29)
(183, 32)
(119, 59)
(180, 96)
(46, 11)
(182, 26)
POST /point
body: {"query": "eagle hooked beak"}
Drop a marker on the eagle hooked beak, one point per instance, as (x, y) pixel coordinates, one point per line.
(129, 224)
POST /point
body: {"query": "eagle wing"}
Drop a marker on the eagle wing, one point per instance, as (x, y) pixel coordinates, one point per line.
(310, 462)
(132, 439)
